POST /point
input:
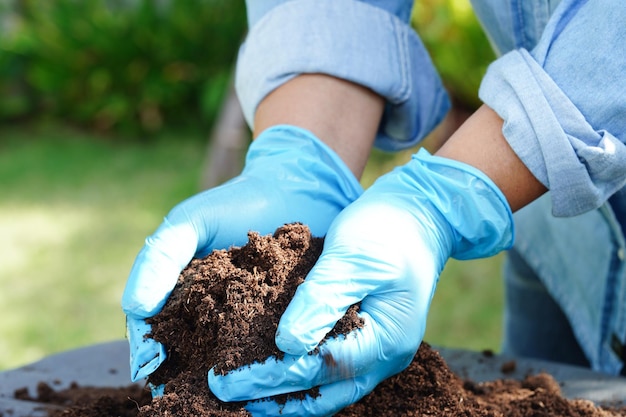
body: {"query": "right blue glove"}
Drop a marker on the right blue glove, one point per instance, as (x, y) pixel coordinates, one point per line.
(384, 251)
(289, 176)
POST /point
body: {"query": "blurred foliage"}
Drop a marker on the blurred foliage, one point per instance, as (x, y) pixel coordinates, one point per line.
(457, 44)
(135, 66)
(129, 66)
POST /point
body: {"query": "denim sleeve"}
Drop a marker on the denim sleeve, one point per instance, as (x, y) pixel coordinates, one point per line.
(564, 106)
(512, 24)
(369, 43)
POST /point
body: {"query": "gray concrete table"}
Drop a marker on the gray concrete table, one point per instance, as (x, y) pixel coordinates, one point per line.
(106, 365)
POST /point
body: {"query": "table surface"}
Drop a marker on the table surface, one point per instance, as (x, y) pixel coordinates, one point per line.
(106, 365)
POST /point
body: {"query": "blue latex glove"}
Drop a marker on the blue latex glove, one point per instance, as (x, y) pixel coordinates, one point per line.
(385, 250)
(289, 176)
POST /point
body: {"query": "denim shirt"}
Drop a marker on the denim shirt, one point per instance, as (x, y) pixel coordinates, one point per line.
(569, 135)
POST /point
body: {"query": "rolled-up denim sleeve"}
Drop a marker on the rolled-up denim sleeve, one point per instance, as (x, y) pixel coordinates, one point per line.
(564, 104)
(368, 43)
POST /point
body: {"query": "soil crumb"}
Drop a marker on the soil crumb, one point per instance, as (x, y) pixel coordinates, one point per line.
(224, 312)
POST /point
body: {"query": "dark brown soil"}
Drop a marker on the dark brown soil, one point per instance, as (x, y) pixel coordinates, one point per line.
(89, 401)
(224, 312)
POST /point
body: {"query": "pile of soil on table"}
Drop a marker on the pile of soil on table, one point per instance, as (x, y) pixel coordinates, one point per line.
(224, 312)
(77, 401)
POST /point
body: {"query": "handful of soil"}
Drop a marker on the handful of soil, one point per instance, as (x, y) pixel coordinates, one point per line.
(224, 312)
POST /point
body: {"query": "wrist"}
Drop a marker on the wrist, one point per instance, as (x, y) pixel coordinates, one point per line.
(301, 176)
(479, 142)
(344, 115)
(475, 209)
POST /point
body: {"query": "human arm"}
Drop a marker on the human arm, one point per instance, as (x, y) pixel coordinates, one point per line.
(479, 142)
(394, 240)
(344, 114)
(313, 102)
(562, 99)
(384, 251)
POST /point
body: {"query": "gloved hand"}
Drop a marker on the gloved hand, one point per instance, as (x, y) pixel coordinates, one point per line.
(386, 251)
(289, 176)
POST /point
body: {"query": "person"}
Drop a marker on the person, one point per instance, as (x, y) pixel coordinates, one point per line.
(320, 83)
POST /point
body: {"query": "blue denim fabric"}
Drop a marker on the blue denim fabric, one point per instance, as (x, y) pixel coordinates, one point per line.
(565, 277)
(369, 43)
(580, 261)
(535, 326)
(576, 117)
(564, 104)
(513, 24)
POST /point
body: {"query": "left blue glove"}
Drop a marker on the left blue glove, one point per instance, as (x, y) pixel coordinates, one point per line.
(289, 176)
(386, 251)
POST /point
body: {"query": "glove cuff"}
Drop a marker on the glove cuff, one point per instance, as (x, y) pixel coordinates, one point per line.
(475, 209)
(295, 158)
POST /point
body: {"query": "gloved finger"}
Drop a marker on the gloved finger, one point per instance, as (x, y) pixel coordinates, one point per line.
(260, 380)
(145, 354)
(152, 278)
(157, 267)
(345, 357)
(331, 399)
(190, 229)
(337, 358)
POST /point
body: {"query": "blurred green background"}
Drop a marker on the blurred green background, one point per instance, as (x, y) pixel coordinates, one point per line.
(106, 109)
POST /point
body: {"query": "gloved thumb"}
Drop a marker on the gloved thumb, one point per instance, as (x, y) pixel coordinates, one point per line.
(157, 267)
(152, 279)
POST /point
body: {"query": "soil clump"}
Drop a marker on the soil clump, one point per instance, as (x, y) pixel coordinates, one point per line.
(224, 312)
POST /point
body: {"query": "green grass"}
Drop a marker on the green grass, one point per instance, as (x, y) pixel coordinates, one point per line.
(467, 308)
(74, 211)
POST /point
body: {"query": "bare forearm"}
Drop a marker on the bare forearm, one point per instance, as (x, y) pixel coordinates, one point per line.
(479, 142)
(342, 114)
(346, 116)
